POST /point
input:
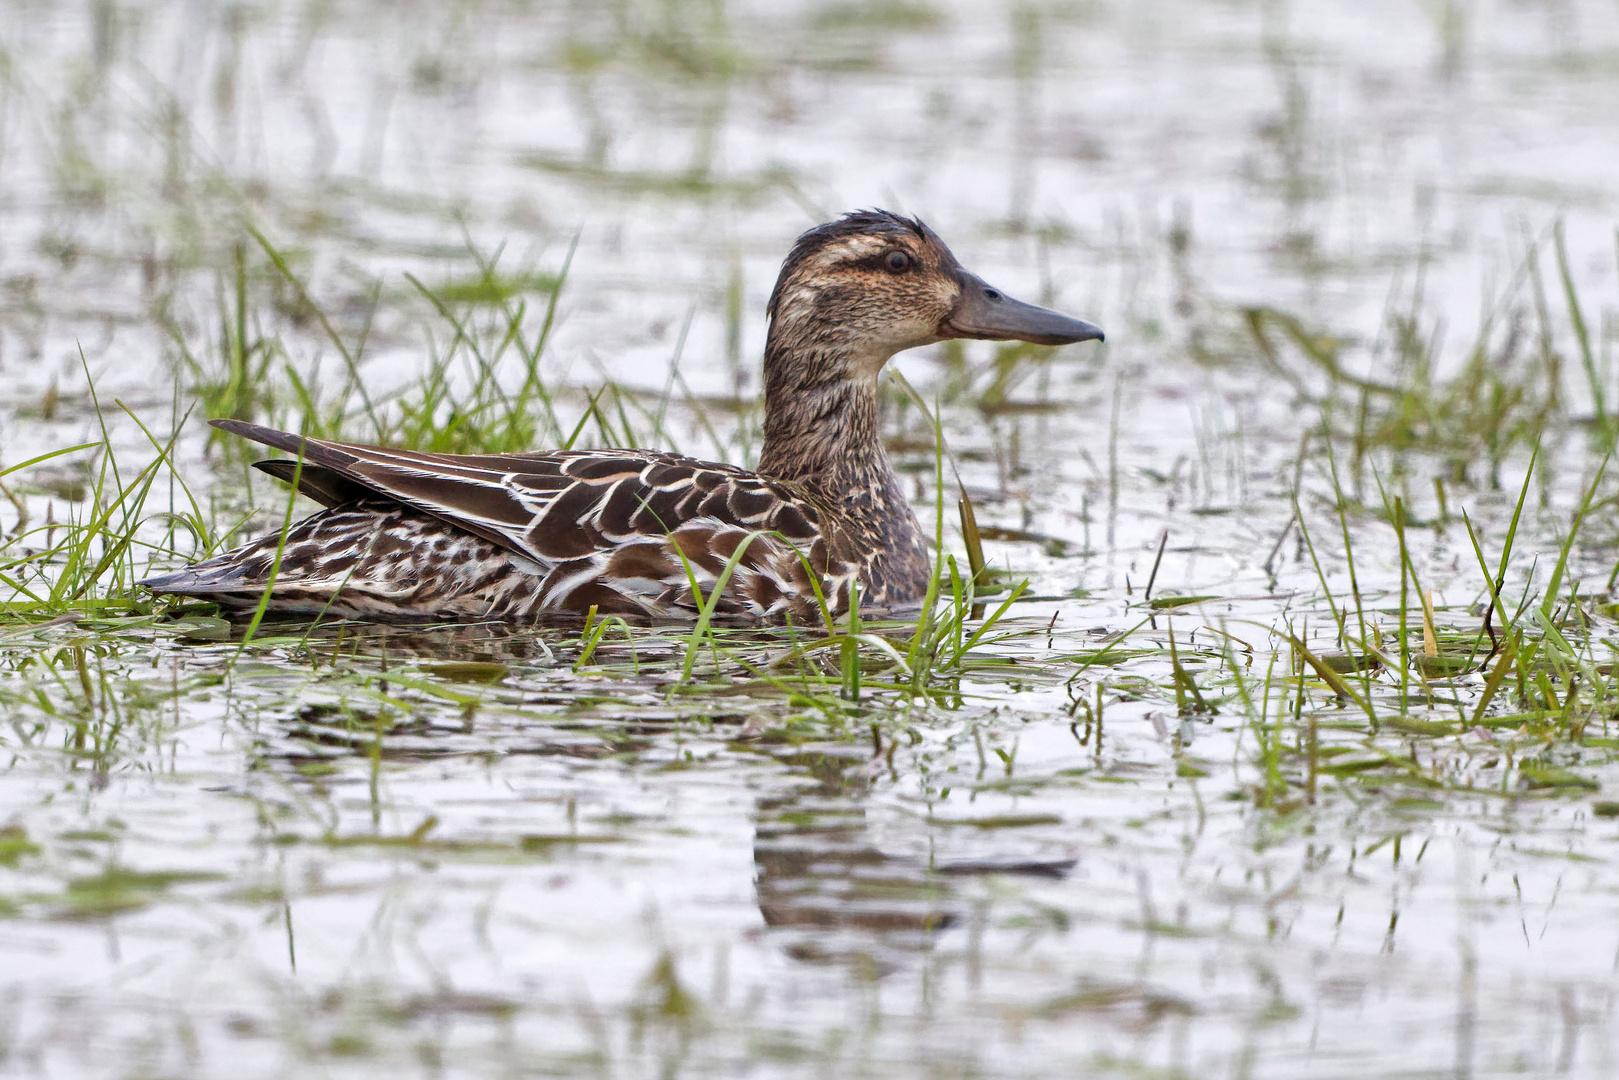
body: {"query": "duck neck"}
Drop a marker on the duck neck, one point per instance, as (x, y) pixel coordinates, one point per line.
(822, 432)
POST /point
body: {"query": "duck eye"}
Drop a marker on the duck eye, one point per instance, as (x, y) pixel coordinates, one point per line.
(898, 261)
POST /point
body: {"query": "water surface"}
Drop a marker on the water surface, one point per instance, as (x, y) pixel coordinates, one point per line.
(444, 851)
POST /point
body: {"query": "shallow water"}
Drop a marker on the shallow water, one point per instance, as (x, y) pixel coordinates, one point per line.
(445, 851)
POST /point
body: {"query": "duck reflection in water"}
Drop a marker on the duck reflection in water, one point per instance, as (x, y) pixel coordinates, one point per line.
(830, 894)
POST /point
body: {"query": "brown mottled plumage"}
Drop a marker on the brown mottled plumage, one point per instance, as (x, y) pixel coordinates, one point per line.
(633, 531)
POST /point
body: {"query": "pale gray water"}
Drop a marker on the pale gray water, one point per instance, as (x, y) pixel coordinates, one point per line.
(686, 903)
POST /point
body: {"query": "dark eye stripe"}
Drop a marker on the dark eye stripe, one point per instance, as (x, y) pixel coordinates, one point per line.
(880, 261)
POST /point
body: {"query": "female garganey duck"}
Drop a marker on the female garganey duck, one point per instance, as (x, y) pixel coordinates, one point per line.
(631, 531)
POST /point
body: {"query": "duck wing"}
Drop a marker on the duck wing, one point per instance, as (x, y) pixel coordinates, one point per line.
(588, 511)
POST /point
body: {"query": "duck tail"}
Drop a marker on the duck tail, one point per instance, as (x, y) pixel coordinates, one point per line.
(203, 579)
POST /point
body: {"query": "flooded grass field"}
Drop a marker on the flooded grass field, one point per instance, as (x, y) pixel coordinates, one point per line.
(1266, 723)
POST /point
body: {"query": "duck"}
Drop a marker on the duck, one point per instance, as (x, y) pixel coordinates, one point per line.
(821, 520)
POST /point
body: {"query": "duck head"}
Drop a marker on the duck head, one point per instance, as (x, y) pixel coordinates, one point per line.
(851, 294)
(855, 291)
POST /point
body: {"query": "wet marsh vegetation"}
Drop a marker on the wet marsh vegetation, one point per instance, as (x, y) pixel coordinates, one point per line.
(1263, 722)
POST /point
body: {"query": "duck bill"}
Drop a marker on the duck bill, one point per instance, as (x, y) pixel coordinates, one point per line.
(990, 315)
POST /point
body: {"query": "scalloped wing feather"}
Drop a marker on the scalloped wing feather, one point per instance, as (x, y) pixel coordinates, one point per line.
(379, 558)
(625, 531)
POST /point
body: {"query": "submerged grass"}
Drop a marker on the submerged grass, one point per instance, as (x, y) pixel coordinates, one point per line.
(1530, 672)
(1394, 651)
(1544, 654)
(1359, 680)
